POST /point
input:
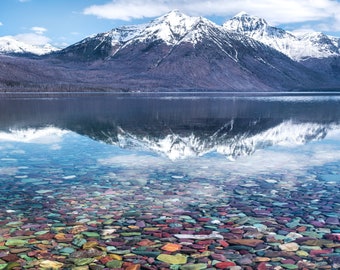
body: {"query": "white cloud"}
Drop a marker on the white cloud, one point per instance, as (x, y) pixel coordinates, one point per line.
(33, 39)
(276, 12)
(36, 39)
(1, 24)
(39, 30)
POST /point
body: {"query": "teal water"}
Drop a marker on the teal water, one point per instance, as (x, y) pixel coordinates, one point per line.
(105, 161)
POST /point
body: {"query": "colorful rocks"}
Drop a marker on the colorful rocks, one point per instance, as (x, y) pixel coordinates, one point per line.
(103, 223)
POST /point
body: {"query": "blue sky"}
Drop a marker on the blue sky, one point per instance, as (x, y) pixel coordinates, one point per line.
(64, 22)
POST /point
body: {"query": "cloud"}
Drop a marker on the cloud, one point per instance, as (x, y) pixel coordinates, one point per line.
(33, 39)
(39, 30)
(1, 24)
(276, 12)
(37, 38)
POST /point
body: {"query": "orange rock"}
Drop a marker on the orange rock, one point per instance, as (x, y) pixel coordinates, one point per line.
(133, 267)
(301, 229)
(60, 236)
(116, 257)
(90, 244)
(78, 229)
(171, 247)
(145, 243)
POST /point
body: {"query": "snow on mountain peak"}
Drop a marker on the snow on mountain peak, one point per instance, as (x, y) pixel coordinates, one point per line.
(170, 27)
(244, 23)
(9, 45)
(297, 47)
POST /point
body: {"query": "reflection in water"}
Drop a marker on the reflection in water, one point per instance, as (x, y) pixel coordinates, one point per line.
(85, 180)
(181, 127)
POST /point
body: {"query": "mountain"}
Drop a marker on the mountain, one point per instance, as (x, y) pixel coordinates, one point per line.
(189, 53)
(175, 146)
(298, 47)
(174, 52)
(9, 45)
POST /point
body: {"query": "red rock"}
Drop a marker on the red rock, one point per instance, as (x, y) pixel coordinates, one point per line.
(218, 257)
(245, 242)
(334, 237)
(223, 265)
(204, 219)
(320, 252)
(205, 242)
(262, 266)
(105, 260)
(46, 236)
(223, 243)
(10, 258)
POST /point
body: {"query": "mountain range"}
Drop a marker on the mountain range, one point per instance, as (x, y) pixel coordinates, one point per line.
(176, 52)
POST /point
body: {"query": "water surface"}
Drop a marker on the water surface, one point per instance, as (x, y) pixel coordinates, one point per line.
(181, 164)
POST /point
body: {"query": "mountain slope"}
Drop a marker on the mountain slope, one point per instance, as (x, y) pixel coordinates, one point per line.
(297, 47)
(9, 45)
(185, 52)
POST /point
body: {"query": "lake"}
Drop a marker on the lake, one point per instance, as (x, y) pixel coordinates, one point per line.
(170, 181)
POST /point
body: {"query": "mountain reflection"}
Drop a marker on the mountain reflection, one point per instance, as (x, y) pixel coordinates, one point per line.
(178, 127)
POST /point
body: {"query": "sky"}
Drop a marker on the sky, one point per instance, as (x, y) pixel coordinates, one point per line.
(64, 22)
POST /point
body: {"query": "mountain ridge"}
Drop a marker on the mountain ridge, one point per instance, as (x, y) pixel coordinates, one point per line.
(176, 51)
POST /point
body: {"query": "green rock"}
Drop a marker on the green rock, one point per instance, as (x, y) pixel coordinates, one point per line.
(67, 250)
(26, 258)
(111, 248)
(114, 264)
(83, 261)
(197, 266)
(14, 224)
(289, 266)
(91, 234)
(41, 232)
(122, 252)
(108, 222)
(309, 248)
(3, 266)
(79, 242)
(302, 253)
(15, 242)
(172, 259)
(12, 265)
(127, 234)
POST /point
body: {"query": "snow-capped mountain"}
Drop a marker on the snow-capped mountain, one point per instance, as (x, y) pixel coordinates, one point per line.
(188, 53)
(176, 51)
(296, 46)
(9, 45)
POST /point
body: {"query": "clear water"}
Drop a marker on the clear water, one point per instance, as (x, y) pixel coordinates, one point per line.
(240, 160)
